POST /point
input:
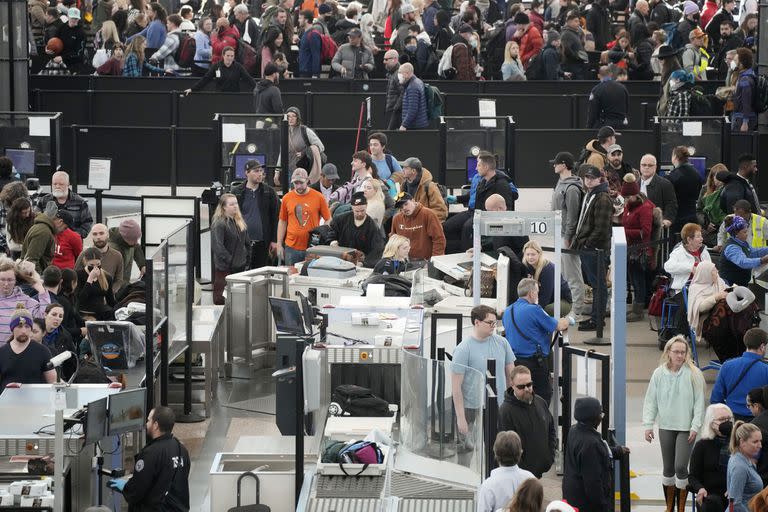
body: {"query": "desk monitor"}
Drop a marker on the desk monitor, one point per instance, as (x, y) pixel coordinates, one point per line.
(287, 315)
(127, 411)
(96, 421)
(23, 160)
(306, 309)
(241, 160)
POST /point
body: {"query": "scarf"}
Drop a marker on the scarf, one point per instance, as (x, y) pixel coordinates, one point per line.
(702, 288)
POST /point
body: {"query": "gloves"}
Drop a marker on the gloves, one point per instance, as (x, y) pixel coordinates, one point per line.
(450, 199)
(117, 484)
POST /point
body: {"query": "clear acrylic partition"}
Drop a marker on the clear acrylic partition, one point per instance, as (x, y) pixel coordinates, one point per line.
(179, 256)
(429, 438)
(16, 133)
(159, 285)
(466, 133)
(250, 134)
(703, 134)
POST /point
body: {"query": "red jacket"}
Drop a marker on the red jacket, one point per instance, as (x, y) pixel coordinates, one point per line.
(69, 245)
(463, 60)
(710, 8)
(530, 44)
(638, 223)
(223, 39)
(537, 20)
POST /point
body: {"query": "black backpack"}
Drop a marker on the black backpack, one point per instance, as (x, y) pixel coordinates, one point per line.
(535, 70)
(359, 401)
(700, 105)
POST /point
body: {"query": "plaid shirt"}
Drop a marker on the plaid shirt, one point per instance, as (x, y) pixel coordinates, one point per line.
(131, 66)
(679, 104)
(55, 68)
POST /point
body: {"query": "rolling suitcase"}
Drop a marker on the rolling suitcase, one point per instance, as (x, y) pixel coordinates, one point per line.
(248, 508)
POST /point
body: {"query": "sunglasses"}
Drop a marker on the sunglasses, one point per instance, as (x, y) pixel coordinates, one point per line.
(523, 386)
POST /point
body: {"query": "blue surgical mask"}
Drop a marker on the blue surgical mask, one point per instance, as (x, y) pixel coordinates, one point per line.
(473, 43)
(411, 48)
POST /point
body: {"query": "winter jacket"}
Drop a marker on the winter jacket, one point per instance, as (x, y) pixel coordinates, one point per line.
(547, 284)
(414, 105)
(597, 154)
(154, 33)
(424, 231)
(572, 48)
(40, 243)
(530, 43)
(567, 197)
(675, 401)
(550, 63)
(130, 253)
(231, 247)
(250, 33)
(735, 187)
(713, 28)
(530, 422)
(681, 265)
(594, 227)
(636, 25)
(310, 53)
(513, 70)
(756, 376)
(69, 245)
(368, 238)
(228, 79)
(687, 182)
(691, 61)
(608, 105)
(357, 60)
(221, 40)
(463, 59)
(91, 298)
(743, 99)
(60, 341)
(75, 205)
(394, 100)
(500, 184)
(587, 470)
(708, 465)
(599, 24)
(167, 51)
(661, 192)
(642, 69)
(427, 194)
(267, 98)
(269, 206)
(737, 261)
(638, 223)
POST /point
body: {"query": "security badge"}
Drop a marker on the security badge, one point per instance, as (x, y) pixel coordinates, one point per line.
(139, 465)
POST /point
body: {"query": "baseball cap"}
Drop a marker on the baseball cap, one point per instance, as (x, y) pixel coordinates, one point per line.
(66, 217)
(299, 175)
(564, 157)
(590, 171)
(614, 147)
(324, 9)
(606, 131)
(252, 164)
(355, 32)
(73, 13)
(358, 199)
(330, 171)
(407, 8)
(402, 198)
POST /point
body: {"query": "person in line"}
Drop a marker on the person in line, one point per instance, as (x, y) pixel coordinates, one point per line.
(709, 460)
(743, 480)
(420, 226)
(597, 149)
(66, 199)
(706, 289)
(744, 117)
(512, 69)
(267, 98)
(40, 242)
(637, 220)
(69, 245)
(362, 171)
(738, 257)
(529, 331)
(686, 255)
(161, 472)
(739, 375)
(588, 461)
(125, 239)
(710, 216)
(394, 258)
(353, 60)
(155, 31)
(11, 296)
(57, 339)
(111, 259)
(738, 185)
(136, 62)
(73, 36)
(259, 207)
(230, 242)
(374, 195)
(328, 182)
(21, 360)
(504, 481)
(539, 268)
(304, 147)
(300, 212)
(528, 498)
(528, 415)
(414, 102)
(167, 52)
(203, 48)
(226, 74)
(18, 222)
(95, 297)
(473, 353)
(757, 403)
(675, 400)
(357, 230)
(419, 183)
(608, 101)
(757, 234)
(687, 182)
(394, 100)
(385, 163)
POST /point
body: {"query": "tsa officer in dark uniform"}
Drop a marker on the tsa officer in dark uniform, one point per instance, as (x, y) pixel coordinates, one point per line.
(160, 480)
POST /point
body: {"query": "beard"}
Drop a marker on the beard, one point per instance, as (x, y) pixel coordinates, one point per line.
(22, 338)
(100, 244)
(59, 194)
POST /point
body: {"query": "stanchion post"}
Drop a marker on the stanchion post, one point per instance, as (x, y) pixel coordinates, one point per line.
(284, 178)
(188, 416)
(99, 205)
(299, 447)
(491, 415)
(442, 162)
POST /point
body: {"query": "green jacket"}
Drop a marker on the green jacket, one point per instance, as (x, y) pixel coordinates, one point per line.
(130, 253)
(40, 243)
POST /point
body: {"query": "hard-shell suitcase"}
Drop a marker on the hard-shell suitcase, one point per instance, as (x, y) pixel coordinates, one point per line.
(249, 508)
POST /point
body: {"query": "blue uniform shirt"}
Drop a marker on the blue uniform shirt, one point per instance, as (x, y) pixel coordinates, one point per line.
(534, 322)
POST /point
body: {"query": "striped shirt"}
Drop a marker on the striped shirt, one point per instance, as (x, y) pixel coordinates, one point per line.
(10, 303)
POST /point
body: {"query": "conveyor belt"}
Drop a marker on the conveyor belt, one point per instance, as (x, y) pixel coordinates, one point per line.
(446, 505)
(359, 487)
(343, 505)
(409, 486)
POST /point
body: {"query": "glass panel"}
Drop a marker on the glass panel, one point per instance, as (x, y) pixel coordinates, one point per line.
(178, 267)
(159, 289)
(704, 135)
(428, 433)
(466, 133)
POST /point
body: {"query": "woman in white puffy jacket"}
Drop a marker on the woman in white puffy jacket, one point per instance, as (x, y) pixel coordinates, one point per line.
(686, 255)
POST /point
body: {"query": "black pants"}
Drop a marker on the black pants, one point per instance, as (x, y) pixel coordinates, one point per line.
(458, 232)
(394, 118)
(714, 503)
(259, 254)
(542, 385)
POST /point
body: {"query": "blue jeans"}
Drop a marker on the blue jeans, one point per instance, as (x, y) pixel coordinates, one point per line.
(293, 256)
(597, 282)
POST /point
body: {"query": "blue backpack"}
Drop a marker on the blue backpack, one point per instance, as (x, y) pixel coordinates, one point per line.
(673, 36)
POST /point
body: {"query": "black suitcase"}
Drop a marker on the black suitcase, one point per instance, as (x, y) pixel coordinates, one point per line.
(249, 508)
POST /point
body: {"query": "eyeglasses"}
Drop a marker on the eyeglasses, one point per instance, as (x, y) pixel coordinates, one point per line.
(491, 323)
(523, 386)
(727, 418)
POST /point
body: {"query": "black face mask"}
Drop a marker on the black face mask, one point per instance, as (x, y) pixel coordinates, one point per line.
(725, 428)
(696, 18)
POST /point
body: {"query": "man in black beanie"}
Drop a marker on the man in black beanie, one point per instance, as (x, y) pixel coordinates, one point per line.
(357, 230)
(588, 461)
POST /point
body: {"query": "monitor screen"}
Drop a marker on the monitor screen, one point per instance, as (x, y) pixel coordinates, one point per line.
(96, 421)
(23, 160)
(287, 315)
(127, 411)
(241, 160)
(306, 309)
(471, 168)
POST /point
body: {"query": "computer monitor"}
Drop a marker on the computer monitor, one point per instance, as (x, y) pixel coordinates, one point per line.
(471, 168)
(306, 309)
(96, 421)
(127, 411)
(23, 160)
(241, 160)
(287, 315)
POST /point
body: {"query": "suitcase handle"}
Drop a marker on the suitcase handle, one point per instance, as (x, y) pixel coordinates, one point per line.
(239, 485)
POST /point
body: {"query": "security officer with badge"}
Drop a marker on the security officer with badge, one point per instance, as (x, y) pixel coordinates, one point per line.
(160, 480)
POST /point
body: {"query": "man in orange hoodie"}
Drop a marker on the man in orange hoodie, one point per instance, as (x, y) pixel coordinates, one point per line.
(420, 225)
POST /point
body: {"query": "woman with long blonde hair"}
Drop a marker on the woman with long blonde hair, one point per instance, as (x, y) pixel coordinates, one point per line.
(744, 481)
(395, 256)
(543, 271)
(675, 400)
(374, 195)
(708, 210)
(231, 246)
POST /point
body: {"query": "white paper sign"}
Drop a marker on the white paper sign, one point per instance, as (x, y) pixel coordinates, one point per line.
(232, 132)
(691, 128)
(487, 108)
(99, 173)
(586, 376)
(39, 126)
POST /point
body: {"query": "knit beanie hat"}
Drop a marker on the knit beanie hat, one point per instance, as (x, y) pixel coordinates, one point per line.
(737, 224)
(630, 187)
(587, 409)
(20, 317)
(130, 230)
(521, 19)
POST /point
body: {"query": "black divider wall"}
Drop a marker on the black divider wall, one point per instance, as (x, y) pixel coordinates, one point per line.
(195, 160)
(635, 110)
(197, 109)
(546, 112)
(342, 110)
(129, 108)
(73, 105)
(423, 144)
(339, 147)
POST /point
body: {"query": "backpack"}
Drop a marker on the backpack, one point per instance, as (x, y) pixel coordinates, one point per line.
(185, 53)
(359, 401)
(700, 105)
(362, 452)
(535, 69)
(332, 451)
(248, 57)
(760, 94)
(329, 48)
(673, 36)
(445, 67)
(434, 102)
(390, 164)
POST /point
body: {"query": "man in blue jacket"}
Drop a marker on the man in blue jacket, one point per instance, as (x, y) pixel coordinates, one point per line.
(414, 114)
(310, 49)
(741, 374)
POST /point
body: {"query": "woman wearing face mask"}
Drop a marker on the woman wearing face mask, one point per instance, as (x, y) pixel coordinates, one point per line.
(637, 220)
(709, 459)
(675, 400)
(57, 339)
(512, 68)
(743, 480)
(744, 117)
(542, 270)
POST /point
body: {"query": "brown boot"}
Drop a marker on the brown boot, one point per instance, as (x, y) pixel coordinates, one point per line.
(670, 494)
(682, 498)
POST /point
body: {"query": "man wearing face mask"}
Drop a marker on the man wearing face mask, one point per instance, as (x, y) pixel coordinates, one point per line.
(417, 52)
(691, 17)
(414, 114)
(394, 102)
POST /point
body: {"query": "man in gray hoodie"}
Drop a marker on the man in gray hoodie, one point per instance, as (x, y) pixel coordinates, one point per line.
(567, 198)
